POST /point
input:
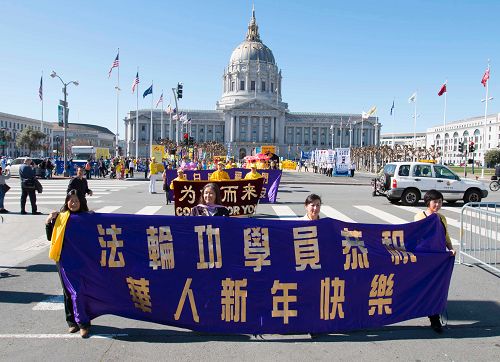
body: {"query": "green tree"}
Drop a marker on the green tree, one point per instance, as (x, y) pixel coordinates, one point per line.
(30, 139)
(5, 138)
(492, 157)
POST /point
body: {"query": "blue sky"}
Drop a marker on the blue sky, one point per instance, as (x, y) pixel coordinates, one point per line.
(335, 56)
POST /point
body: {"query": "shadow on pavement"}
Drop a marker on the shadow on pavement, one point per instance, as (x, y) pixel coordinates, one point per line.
(23, 297)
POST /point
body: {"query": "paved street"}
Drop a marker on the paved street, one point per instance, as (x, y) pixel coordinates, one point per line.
(32, 312)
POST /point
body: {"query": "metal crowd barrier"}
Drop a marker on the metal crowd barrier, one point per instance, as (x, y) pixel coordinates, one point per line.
(479, 234)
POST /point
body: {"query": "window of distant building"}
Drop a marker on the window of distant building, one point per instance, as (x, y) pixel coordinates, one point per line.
(263, 86)
(272, 88)
(232, 86)
(242, 85)
(252, 85)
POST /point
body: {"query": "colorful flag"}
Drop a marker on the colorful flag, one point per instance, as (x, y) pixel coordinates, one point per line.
(392, 107)
(364, 115)
(148, 91)
(486, 76)
(135, 82)
(169, 109)
(159, 100)
(116, 64)
(442, 90)
(40, 90)
(372, 111)
(412, 98)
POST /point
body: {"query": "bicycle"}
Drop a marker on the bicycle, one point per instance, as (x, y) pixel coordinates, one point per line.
(494, 185)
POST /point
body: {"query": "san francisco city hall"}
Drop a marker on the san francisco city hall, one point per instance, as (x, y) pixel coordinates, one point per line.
(251, 113)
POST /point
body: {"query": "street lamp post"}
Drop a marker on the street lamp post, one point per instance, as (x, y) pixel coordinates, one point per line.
(65, 118)
(485, 101)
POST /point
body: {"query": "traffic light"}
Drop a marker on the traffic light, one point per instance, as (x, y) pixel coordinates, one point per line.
(179, 90)
(461, 147)
(472, 148)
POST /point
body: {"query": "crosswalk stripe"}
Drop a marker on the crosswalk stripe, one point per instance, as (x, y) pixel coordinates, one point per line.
(53, 303)
(382, 215)
(329, 211)
(148, 210)
(284, 212)
(107, 209)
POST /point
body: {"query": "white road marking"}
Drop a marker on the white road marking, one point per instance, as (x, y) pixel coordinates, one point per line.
(107, 209)
(60, 336)
(284, 212)
(148, 210)
(329, 211)
(39, 243)
(52, 303)
(382, 215)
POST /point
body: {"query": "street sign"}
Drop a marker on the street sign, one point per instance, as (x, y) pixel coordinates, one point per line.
(60, 115)
(63, 103)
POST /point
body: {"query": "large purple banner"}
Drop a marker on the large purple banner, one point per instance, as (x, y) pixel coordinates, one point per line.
(272, 180)
(253, 276)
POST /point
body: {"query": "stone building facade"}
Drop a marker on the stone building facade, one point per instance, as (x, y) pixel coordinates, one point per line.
(251, 113)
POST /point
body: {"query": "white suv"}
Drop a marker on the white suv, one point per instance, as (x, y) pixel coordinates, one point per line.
(409, 181)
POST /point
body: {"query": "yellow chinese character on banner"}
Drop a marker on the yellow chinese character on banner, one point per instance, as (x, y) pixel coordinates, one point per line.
(265, 175)
(329, 306)
(394, 242)
(263, 193)
(213, 246)
(351, 244)
(257, 249)
(196, 176)
(189, 193)
(382, 286)
(112, 245)
(161, 252)
(238, 175)
(234, 300)
(139, 290)
(283, 300)
(305, 240)
(248, 192)
(229, 193)
(187, 292)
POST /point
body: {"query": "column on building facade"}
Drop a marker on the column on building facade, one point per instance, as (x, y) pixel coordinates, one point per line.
(249, 128)
(272, 125)
(260, 136)
(319, 137)
(237, 131)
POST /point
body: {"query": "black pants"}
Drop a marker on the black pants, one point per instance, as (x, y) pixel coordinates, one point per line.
(24, 196)
(68, 304)
(131, 171)
(88, 174)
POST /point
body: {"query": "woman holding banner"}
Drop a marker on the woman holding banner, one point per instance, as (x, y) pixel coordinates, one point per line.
(313, 207)
(434, 201)
(210, 202)
(54, 228)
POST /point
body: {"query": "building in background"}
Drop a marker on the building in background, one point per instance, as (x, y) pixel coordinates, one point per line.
(251, 113)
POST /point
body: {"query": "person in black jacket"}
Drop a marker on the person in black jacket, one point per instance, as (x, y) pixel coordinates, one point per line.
(73, 203)
(79, 183)
(27, 177)
(210, 202)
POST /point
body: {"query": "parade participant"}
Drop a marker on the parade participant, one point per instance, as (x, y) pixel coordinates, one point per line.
(220, 174)
(152, 175)
(27, 177)
(72, 204)
(181, 176)
(210, 202)
(352, 168)
(79, 183)
(253, 174)
(434, 201)
(3, 189)
(313, 207)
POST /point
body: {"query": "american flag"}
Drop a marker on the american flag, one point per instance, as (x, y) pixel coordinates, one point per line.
(159, 100)
(135, 82)
(115, 64)
(40, 90)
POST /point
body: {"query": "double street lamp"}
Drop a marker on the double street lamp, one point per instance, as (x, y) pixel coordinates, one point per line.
(65, 116)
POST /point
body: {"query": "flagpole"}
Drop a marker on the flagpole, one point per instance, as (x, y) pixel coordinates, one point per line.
(137, 121)
(161, 116)
(117, 103)
(444, 123)
(151, 125)
(393, 122)
(341, 134)
(170, 130)
(415, 129)
(484, 124)
(41, 122)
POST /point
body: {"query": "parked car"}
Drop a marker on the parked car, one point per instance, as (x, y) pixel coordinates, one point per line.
(409, 181)
(16, 163)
